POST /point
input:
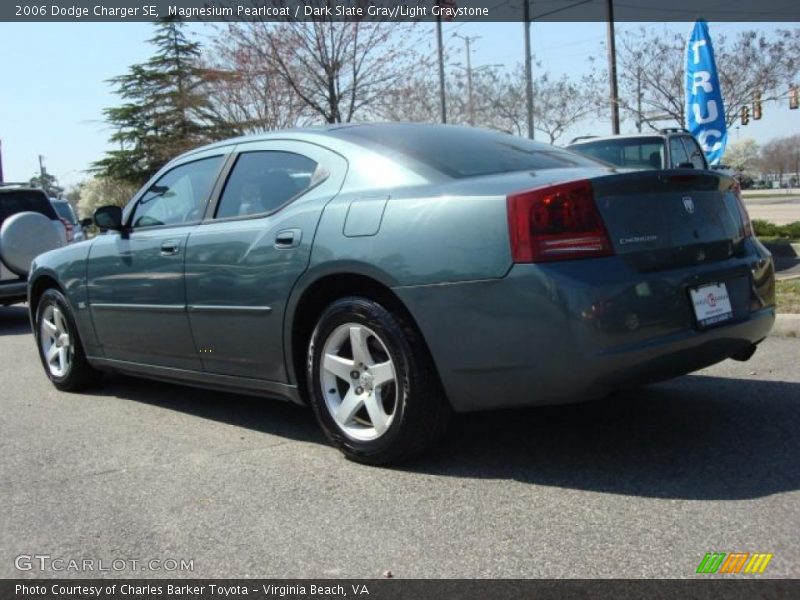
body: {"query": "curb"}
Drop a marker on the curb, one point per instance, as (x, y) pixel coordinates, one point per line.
(786, 325)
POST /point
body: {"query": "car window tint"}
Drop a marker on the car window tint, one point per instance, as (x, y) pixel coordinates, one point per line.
(15, 201)
(65, 211)
(179, 196)
(634, 153)
(263, 181)
(677, 152)
(695, 153)
(459, 151)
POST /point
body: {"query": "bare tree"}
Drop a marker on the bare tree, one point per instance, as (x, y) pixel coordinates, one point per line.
(654, 63)
(561, 103)
(498, 100)
(338, 70)
(782, 155)
(246, 91)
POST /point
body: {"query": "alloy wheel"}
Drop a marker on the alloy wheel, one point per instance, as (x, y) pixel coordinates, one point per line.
(359, 382)
(55, 341)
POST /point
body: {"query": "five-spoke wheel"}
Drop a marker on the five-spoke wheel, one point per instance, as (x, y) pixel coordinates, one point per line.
(59, 345)
(54, 341)
(372, 384)
(359, 380)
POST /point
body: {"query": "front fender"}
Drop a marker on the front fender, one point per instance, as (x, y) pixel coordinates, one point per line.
(66, 267)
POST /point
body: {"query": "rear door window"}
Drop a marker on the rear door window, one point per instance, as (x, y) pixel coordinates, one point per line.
(263, 181)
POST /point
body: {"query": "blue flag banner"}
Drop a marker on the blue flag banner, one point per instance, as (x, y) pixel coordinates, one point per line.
(705, 112)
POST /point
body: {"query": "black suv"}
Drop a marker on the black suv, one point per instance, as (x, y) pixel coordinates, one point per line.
(667, 149)
(22, 237)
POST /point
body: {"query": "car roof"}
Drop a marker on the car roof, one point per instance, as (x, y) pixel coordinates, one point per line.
(625, 136)
(321, 133)
(19, 187)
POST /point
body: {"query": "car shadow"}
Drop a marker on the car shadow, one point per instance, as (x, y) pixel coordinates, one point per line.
(697, 437)
(14, 320)
(264, 415)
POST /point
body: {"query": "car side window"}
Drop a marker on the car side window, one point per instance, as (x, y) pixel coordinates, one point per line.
(179, 196)
(677, 152)
(263, 181)
(695, 153)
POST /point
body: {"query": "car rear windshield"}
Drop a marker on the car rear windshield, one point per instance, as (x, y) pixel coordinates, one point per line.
(462, 152)
(634, 153)
(64, 211)
(13, 202)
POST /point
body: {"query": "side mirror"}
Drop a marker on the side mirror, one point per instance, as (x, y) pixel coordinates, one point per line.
(86, 222)
(109, 217)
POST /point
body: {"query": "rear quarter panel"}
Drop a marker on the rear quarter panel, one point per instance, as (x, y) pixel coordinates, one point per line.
(421, 237)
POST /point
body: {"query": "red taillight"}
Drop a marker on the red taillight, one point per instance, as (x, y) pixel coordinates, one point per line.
(747, 226)
(69, 228)
(556, 223)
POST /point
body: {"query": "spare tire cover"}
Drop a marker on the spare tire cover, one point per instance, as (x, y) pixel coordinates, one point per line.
(23, 237)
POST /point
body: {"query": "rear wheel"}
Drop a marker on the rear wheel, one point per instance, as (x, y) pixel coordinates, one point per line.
(371, 383)
(59, 346)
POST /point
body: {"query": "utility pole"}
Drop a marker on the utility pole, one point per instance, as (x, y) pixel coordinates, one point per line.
(528, 67)
(639, 99)
(42, 170)
(442, 101)
(470, 106)
(612, 68)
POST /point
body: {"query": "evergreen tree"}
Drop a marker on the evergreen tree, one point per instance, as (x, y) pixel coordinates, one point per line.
(164, 111)
(49, 183)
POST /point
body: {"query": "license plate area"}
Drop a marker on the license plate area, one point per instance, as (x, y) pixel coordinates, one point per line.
(711, 304)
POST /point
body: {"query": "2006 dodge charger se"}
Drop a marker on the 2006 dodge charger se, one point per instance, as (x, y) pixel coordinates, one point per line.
(389, 274)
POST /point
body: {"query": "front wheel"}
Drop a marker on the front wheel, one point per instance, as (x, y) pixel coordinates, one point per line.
(372, 385)
(59, 345)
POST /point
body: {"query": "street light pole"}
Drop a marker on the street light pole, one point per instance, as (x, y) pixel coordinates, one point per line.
(528, 69)
(612, 68)
(442, 101)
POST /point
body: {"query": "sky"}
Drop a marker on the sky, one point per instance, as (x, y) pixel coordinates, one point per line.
(55, 82)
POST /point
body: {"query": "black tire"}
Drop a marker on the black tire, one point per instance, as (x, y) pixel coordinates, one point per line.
(420, 410)
(80, 374)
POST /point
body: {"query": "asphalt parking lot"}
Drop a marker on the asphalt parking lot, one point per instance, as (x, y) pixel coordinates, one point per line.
(640, 485)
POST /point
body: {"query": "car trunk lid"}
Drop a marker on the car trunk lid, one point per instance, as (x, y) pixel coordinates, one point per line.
(671, 218)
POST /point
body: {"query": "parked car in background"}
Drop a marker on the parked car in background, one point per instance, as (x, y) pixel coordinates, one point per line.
(29, 225)
(73, 226)
(389, 274)
(667, 149)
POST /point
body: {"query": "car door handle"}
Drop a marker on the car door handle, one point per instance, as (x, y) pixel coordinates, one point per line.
(288, 238)
(170, 248)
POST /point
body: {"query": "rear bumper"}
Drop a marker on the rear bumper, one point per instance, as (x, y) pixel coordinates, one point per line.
(566, 332)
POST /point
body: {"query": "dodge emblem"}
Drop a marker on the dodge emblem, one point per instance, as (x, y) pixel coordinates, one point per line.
(688, 204)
